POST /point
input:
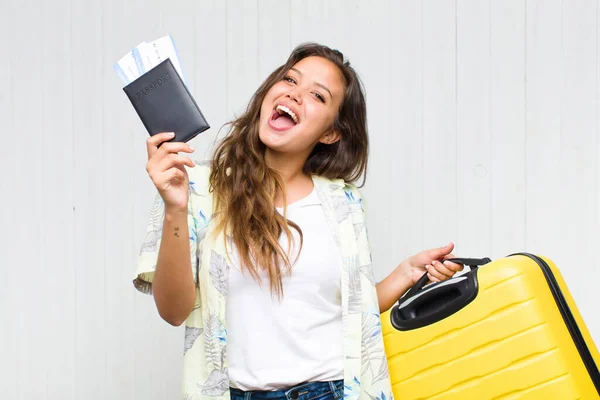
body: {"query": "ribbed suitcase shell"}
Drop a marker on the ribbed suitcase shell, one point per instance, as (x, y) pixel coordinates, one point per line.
(510, 342)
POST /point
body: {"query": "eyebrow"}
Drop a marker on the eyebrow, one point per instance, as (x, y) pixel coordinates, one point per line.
(316, 83)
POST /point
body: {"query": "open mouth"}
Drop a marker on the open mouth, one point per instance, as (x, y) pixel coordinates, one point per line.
(283, 118)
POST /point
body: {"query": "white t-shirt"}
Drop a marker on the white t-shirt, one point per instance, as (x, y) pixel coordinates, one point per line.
(274, 344)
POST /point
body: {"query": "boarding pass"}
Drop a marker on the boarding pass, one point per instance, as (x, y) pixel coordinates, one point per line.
(146, 56)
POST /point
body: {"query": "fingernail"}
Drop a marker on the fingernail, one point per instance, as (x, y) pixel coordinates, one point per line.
(446, 262)
(171, 133)
(191, 148)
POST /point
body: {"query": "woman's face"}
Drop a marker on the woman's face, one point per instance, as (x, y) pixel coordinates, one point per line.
(299, 111)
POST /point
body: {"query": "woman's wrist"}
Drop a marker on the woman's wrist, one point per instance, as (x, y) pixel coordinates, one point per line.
(390, 289)
(403, 279)
(174, 212)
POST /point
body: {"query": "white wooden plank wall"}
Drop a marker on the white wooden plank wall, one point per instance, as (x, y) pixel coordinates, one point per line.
(484, 129)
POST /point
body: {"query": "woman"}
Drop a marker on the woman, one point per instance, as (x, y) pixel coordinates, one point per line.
(263, 251)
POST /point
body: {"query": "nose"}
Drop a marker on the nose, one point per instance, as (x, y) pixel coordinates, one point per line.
(294, 95)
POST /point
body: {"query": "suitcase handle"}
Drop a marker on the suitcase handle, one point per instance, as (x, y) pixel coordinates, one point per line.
(420, 307)
(469, 262)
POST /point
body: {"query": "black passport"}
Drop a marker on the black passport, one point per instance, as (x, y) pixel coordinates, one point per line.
(164, 103)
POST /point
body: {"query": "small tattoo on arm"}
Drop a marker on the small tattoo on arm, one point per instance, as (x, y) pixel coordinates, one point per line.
(177, 231)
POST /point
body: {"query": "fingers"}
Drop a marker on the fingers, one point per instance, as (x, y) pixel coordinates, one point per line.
(165, 165)
(174, 160)
(153, 143)
(433, 275)
(172, 166)
(439, 272)
(452, 266)
(449, 256)
(160, 159)
(173, 175)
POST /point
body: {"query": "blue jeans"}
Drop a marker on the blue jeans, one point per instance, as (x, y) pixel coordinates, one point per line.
(306, 391)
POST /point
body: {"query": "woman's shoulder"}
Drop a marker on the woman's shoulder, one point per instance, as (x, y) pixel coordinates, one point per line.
(339, 184)
(337, 188)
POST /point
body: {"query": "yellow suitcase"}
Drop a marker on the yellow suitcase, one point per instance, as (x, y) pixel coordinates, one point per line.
(507, 329)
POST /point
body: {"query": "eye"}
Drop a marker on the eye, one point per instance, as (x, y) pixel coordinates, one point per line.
(321, 98)
(289, 79)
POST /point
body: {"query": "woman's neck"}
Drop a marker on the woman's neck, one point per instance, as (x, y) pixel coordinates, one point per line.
(290, 167)
(297, 184)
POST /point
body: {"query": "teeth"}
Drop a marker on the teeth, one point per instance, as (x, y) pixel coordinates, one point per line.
(286, 110)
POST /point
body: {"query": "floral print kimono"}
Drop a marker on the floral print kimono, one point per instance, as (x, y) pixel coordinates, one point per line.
(205, 373)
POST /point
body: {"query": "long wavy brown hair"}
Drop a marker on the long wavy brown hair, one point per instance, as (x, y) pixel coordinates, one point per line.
(245, 187)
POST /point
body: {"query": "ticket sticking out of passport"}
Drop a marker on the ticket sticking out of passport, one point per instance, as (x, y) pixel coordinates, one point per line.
(156, 87)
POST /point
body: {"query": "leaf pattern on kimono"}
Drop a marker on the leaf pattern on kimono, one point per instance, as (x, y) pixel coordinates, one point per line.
(156, 220)
(371, 343)
(192, 236)
(381, 396)
(143, 286)
(358, 228)
(157, 214)
(199, 251)
(214, 341)
(352, 388)
(367, 271)
(350, 195)
(340, 205)
(202, 227)
(150, 241)
(216, 384)
(370, 396)
(383, 372)
(191, 334)
(193, 188)
(192, 396)
(219, 271)
(352, 280)
(200, 248)
(200, 231)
